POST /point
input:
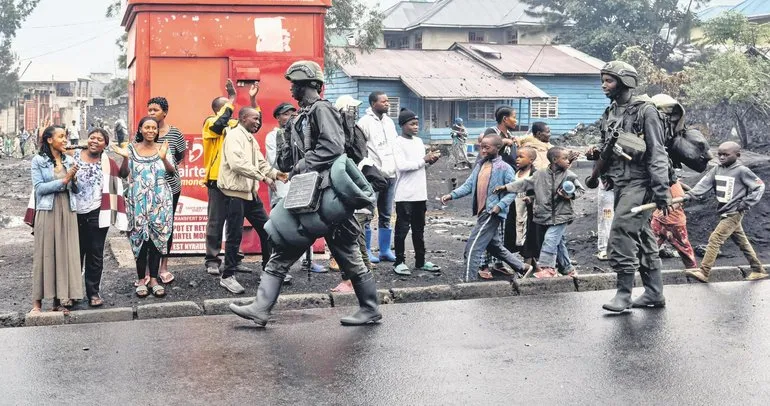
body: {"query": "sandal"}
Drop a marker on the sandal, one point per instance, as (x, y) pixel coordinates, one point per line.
(95, 301)
(402, 269)
(501, 269)
(66, 303)
(35, 310)
(485, 274)
(430, 267)
(166, 277)
(62, 309)
(343, 287)
(158, 290)
(546, 273)
(142, 291)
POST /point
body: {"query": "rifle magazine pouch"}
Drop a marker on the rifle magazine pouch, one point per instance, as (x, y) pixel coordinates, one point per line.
(304, 193)
(632, 144)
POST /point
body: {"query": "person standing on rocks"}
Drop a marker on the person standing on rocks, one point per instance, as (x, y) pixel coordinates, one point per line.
(643, 179)
(737, 189)
(381, 134)
(316, 142)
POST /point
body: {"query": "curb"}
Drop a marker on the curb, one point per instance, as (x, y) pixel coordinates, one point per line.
(460, 291)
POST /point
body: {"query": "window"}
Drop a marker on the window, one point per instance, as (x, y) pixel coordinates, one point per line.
(545, 108)
(418, 40)
(403, 42)
(391, 43)
(512, 37)
(395, 106)
(481, 111)
(476, 37)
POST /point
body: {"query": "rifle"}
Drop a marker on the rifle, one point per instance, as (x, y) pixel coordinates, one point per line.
(609, 149)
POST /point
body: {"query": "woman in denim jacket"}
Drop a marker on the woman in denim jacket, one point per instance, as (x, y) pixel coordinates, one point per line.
(56, 262)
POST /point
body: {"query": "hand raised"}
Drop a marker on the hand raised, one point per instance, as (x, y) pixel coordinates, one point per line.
(120, 151)
(254, 90)
(163, 149)
(230, 88)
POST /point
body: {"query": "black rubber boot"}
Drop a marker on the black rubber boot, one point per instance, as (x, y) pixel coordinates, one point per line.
(653, 290)
(622, 299)
(267, 294)
(368, 312)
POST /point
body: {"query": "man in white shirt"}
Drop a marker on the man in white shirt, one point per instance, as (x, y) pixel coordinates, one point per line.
(381, 134)
(74, 133)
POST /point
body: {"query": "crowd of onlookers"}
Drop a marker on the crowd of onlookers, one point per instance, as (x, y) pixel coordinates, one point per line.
(521, 189)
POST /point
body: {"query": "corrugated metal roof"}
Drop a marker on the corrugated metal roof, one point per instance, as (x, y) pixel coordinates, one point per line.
(440, 75)
(749, 8)
(533, 59)
(402, 14)
(458, 13)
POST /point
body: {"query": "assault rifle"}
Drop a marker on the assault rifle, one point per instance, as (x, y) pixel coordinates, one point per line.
(609, 149)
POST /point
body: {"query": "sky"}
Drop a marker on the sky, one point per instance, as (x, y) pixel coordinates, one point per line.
(73, 38)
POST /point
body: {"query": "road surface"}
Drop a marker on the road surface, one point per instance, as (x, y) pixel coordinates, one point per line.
(710, 346)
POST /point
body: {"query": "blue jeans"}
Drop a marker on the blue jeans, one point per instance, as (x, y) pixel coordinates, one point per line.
(554, 251)
(385, 204)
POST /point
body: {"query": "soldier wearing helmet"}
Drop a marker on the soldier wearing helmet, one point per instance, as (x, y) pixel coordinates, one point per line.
(643, 179)
(315, 139)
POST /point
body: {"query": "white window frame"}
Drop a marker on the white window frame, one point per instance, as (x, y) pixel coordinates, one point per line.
(544, 108)
(395, 106)
(512, 36)
(481, 110)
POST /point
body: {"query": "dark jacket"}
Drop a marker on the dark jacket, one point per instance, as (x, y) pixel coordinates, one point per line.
(549, 208)
(640, 117)
(316, 139)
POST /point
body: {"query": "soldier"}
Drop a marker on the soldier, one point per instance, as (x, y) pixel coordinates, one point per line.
(645, 178)
(317, 139)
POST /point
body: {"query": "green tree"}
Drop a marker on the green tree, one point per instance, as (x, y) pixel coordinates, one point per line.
(116, 88)
(733, 29)
(345, 19)
(606, 28)
(737, 85)
(653, 79)
(12, 14)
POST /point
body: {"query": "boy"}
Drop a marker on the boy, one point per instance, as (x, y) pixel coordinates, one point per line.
(411, 193)
(673, 228)
(525, 159)
(459, 137)
(737, 189)
(491, 208)
(552, 210)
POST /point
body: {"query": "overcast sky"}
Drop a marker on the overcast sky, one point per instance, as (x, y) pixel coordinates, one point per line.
(73, 38)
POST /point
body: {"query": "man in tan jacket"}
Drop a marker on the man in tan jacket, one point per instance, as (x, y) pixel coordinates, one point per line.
(241, 169)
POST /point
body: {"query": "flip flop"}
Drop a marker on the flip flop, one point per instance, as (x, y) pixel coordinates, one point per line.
(430, 267)
(166, 277)
(343, 287)
(158, 290)
(402, 269)
(95, 301)
(142, 291)
(62, 309)
(485, 274)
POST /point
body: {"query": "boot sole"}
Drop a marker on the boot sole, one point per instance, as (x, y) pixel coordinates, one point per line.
(657, 305)
(614, 309)
(371, 320)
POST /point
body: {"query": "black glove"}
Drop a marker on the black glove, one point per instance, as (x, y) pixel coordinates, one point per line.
(662, 205)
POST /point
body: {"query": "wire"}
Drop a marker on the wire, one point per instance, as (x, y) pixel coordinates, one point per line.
(68, 25)
(69, 46)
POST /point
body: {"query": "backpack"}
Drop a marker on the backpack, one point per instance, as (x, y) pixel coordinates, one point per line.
(355, 139)
(684, 145)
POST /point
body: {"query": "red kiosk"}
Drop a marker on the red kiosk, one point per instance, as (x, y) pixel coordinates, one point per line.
(185, 50)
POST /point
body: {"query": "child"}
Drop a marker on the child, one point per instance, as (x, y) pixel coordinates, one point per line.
(411, 192)
(673, 228)
(491, 208)
(737, 189)
(525, 157)
(552, 210)
(459, 137)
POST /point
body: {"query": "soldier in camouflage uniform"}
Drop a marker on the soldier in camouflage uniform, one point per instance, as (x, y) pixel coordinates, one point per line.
(644, 179)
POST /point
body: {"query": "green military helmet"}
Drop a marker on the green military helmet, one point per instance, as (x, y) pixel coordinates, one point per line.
(305, 71)
(624, 72)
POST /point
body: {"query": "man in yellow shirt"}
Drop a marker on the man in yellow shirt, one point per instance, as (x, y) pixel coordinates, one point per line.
(214, 131)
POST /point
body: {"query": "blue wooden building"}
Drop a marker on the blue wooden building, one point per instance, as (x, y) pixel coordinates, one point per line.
(554, 84)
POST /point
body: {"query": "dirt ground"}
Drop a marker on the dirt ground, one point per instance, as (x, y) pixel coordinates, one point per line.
(446, 231)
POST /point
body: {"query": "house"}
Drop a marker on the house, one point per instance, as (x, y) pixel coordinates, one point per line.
(555, 84)
(439, 24)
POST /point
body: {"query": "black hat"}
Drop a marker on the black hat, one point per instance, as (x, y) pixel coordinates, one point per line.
(282, 108)
(406, 116)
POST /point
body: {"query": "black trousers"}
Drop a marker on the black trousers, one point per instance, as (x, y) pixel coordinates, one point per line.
(91, 250)
(175, 200)
(254, 211)
(148, 255)
(509, 230)
(410, 215)
(218, 210)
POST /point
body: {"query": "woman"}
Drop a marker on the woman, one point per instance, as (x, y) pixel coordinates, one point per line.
(157, 108)
(99, 203)
(148, 203)
(55, 266)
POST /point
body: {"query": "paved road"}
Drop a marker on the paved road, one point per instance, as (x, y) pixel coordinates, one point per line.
(710, 346)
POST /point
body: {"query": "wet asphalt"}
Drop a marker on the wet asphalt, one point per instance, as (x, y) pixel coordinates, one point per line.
(708, 347)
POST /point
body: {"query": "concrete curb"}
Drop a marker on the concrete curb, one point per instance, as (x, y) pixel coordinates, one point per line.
(100, 315)
(460, 291)
(168, 310)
